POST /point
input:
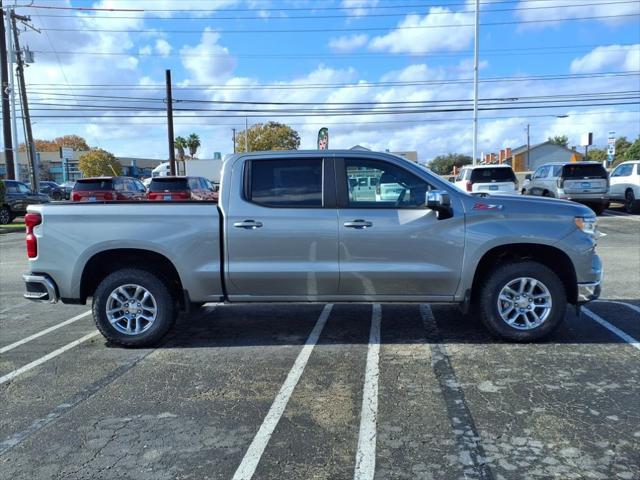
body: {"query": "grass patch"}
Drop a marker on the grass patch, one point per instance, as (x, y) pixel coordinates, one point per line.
(12, 227)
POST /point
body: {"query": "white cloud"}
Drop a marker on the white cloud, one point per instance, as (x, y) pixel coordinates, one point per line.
(559, 9)
(163, 47)
(611, 57)
(208, 62)
(348, 43)
(416, 33)
(358, 6)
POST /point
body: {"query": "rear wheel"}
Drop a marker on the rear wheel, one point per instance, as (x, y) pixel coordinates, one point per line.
(5, 215)
(598, 208)
(547, 193)
(133, 308)
(56, 196)
(522, 301)
(631, 205)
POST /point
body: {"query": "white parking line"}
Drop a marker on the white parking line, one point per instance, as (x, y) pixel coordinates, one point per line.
(44, 332)
(627, 338)
(251, 458)
(617, 302)
(366, 453)
(47, 357)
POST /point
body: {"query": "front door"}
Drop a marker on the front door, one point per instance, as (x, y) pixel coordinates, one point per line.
(282, 230)
(391, 246)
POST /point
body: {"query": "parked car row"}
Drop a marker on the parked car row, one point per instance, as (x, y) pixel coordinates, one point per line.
(101, 189)
(583, 182)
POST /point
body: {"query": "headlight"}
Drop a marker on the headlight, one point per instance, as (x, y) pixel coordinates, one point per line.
(587, 224)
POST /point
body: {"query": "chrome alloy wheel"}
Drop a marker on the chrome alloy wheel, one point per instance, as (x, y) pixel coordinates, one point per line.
(524, 303)
(131, 309)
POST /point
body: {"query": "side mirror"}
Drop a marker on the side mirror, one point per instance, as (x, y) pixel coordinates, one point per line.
(439, 201)
(452, 179)
(527, 176)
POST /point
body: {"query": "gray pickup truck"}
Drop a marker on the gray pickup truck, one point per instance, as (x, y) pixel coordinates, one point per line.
(317, 226)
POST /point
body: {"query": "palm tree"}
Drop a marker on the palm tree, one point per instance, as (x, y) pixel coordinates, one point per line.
(193, 143)
(180, 143)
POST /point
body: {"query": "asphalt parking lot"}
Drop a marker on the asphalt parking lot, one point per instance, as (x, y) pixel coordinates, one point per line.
(324, 392)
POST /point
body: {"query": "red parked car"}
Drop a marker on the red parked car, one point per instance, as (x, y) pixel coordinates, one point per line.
(99, 189)
(181, 188)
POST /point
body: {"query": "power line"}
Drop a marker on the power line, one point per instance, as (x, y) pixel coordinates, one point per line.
(356, 15)
(286, 9)
(528, 51)
(548, 77)
(356, 29)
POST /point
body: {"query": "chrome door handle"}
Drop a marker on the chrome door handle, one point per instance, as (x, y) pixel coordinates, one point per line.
(359, 224)
(248, 224)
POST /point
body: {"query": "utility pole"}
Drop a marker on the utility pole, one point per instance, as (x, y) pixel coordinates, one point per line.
(29, 144)
(475, 83)
(234, 139)
(172, 152)
(528, 148)
(246, 134)
(6, 109)
(12, 95)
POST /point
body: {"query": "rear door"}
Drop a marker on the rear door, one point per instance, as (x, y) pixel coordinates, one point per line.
(392, 247)
(282, 229)
(584, 178)
(494, 180)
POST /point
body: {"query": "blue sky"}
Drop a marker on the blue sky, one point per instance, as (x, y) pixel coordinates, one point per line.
(429, 42)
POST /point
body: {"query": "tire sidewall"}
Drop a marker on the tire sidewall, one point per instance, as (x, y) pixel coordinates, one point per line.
(5, 215)
(164, 302)
(508, 272)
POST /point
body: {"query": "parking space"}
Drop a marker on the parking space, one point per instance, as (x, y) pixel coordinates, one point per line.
(319, 392)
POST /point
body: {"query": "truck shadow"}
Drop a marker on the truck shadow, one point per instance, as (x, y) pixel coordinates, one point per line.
(228, 326)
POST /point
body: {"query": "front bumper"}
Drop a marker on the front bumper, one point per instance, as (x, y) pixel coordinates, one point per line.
(40, 288)
(588, 292)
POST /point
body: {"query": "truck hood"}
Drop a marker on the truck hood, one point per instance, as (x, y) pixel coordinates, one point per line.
(514, 204)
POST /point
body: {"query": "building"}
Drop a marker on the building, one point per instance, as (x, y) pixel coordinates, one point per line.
(540, 154)
(55, 168)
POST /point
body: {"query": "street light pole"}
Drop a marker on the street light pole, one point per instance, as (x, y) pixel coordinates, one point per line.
(12, 93)
(528, 148)
(475, 84)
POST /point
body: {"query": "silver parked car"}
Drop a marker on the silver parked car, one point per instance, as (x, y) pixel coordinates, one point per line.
(582, 182)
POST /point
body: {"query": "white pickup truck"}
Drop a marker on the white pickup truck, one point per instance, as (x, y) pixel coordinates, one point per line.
(291, 227)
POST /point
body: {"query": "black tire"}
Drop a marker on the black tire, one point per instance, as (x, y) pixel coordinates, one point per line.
(598, 208)
(631, 204)
(5, 215)
(56, 196)
(501, 276)
(547, 193)
(165, 316)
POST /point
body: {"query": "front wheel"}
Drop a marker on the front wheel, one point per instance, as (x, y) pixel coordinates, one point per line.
(598, 209)
(56, 196)
(5, 215)
(522, 301)
(631, 205)
(133, 308)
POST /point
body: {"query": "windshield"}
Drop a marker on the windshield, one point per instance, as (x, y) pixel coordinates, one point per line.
(498, 174)
(584, 171)
(159, 184)
(95, 185)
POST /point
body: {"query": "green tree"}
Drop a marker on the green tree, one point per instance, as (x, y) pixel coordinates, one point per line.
(443, 164)
(268, 136)
(633, 152)
(598, 154)
(180, 143)
(193, 143)
(98, 162)
(622, 145)
(561, 140)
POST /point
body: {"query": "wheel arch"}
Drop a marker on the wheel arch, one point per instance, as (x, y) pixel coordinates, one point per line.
(105, 262)
(552, 257)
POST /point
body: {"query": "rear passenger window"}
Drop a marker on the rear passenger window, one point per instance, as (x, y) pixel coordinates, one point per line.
(286, 183)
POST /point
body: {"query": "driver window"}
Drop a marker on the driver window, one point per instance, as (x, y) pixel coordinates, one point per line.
(373, 183)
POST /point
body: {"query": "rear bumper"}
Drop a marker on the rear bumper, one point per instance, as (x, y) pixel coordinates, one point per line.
(40, 288)
(599, 198)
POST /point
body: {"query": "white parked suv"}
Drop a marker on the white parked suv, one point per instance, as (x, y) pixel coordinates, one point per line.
(624, 185)
(493, 179)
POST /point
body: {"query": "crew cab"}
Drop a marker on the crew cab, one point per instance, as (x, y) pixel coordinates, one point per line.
(289, 227)
(17, 197)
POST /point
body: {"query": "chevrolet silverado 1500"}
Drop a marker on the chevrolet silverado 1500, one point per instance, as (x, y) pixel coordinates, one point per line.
(317, 226)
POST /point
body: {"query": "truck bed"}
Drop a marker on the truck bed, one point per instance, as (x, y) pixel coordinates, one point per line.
(185, 233)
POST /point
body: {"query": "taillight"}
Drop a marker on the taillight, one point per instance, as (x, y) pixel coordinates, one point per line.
(469, 186)
(181, 195)
(152, 196)
(30, 221)
(75, 197)
(108, 196)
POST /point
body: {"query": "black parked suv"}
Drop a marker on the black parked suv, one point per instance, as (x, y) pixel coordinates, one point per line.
(55, 191)
(17, 197)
